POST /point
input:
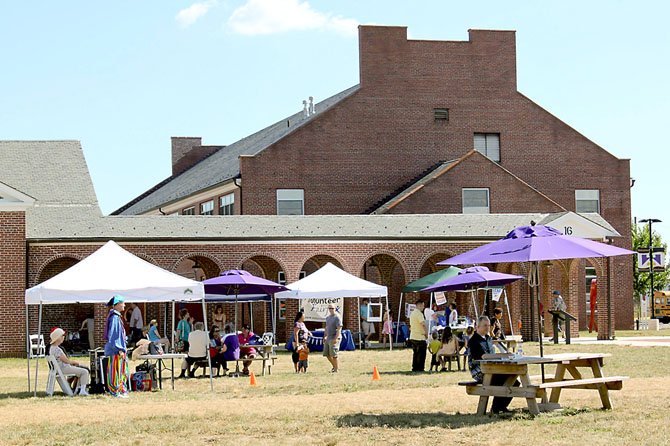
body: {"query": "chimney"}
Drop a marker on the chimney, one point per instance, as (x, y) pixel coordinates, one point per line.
(187, 152)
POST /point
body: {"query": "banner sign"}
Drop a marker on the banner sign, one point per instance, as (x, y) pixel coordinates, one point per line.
(496, 293)
(440, 298)
(656, 260)
(408, 309)
(316, 309)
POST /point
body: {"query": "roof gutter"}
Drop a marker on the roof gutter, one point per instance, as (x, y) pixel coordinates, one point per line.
(239, 177)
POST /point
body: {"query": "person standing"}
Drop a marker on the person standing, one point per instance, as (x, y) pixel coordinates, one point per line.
(300, 334)
(453, 315)
(136, 323)
(88, 324)
(183, 330)
(559, 305)
(480, 344)
(368, 328)
(418, 334)
(332, 337)
(116, 349)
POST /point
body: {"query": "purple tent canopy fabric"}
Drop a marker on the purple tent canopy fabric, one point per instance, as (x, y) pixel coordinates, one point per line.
(236, 282)
(473, 277)
(535, 243)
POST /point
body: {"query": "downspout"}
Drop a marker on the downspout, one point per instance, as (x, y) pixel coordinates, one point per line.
(239, 177)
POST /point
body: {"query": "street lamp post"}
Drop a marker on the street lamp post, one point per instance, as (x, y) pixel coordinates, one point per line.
(651, 261)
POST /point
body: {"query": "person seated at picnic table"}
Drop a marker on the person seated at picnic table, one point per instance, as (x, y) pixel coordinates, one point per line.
(247, 337)
(497, 332)
(448, 348)
(216, 349)
(231, 347)
(153, 335)
(68, 366)
(481, 344)
(198, 343)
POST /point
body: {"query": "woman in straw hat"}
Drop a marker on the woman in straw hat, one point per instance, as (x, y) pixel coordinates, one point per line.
(68, 366)
(115, 349)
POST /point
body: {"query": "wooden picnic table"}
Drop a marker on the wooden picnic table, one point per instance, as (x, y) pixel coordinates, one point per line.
(514, 367)
(266, 352)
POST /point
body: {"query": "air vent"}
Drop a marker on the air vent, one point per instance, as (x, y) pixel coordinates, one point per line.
(441, 114)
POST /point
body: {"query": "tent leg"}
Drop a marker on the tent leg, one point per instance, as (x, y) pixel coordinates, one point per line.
(509, 315)
(28, 349)
(173, 327)
(209, 356)
(390, 335)
(37, 360)
(474, 303)
(251, 315)
(398, 317)
(358, 314)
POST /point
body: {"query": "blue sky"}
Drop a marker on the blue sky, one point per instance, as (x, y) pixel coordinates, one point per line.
(124, 76)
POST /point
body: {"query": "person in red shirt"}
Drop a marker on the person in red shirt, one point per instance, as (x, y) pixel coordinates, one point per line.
(245, 338)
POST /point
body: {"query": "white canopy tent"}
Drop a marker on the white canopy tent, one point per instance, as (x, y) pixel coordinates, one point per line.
(331, 281)
(109, 271)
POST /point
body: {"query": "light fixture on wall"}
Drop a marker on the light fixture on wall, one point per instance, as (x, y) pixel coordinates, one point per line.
(196, 266)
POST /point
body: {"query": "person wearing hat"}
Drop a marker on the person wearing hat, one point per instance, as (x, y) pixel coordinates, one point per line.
(116, 349)
(68, 366)
(245, 338)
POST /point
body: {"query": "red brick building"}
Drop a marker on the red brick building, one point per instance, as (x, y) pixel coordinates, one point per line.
(436, 141)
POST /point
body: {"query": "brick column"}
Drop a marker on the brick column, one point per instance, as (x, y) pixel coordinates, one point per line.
(12, 286)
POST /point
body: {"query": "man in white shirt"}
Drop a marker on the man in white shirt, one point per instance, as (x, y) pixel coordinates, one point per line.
(198, 343)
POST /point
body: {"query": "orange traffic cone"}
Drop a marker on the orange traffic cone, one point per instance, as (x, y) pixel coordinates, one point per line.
(375, 374)
(252, 379)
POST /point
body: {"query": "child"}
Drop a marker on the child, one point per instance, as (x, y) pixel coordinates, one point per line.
(466, 338)
(448, 349)
(387, 328)
(303, 357)
(434, 347)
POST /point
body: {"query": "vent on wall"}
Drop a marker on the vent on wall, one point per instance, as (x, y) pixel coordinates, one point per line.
(441, 114)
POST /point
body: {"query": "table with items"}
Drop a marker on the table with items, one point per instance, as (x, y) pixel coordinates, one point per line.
(161, 364)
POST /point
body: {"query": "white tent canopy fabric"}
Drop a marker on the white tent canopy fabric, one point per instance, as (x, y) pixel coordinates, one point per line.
(331, 281)
(113, 270)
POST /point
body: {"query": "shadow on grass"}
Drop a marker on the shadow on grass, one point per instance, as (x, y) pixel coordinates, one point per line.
(420, 420)
(426, 373)
(26, 395)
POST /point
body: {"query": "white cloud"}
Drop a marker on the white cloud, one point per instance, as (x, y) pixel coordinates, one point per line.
(188, 16)
(257, 17)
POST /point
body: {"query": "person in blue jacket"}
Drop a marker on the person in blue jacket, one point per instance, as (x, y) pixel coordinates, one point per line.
(115, 349)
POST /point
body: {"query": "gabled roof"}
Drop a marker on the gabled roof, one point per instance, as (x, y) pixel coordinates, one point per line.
(53, 173)
(12, 199)
(442, 169)
(224, 165)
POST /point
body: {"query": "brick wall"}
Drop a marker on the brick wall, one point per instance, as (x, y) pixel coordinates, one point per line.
(12, 285)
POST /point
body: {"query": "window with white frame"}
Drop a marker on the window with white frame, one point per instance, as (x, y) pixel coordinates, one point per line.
(227, 205)
(488, 144)
(587, 200)
(188, 211)
(476, 200)
(207, 208)
(290, 202)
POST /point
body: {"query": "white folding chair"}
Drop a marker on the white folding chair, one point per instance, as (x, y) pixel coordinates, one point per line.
(37, 347)
(56, 374)
(268, 338)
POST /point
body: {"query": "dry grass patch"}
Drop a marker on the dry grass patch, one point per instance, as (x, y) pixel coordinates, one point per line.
(340, 409)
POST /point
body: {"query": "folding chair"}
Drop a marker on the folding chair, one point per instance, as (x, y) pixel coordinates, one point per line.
(268, 338)
(37, 347)
(56, 374)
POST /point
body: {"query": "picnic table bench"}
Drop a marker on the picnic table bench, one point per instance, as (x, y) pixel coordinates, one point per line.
(514, 367)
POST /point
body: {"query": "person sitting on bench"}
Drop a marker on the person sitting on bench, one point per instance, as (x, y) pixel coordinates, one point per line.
(68, 366)
(246, 337)
(198, 343)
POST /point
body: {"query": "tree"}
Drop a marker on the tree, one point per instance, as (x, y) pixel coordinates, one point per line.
(641, 281)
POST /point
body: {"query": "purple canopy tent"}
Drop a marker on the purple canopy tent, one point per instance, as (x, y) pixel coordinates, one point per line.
(236, 283)
(533, 244)
(473, 278)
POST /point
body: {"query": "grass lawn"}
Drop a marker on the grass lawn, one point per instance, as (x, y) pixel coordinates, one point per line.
(320, 408)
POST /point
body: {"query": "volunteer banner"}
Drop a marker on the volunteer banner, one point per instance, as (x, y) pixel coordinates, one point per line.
(316, 309)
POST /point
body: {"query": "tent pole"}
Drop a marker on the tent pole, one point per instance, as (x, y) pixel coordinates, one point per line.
(509, 315)
(37, 360)
(474, 303)
(358, 315)
(251, 315)
(390, 335)
(172, 329)
(209, 356)
(28, 349)
(398, 317)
